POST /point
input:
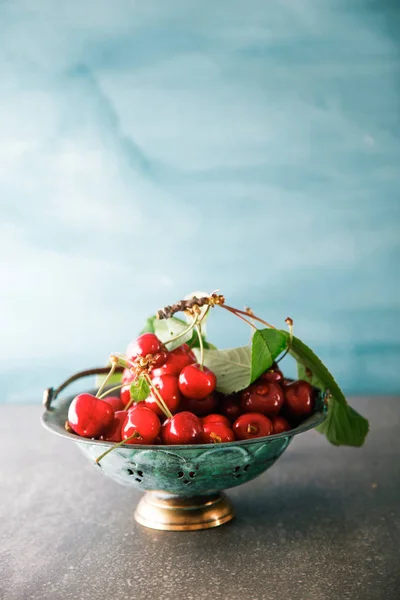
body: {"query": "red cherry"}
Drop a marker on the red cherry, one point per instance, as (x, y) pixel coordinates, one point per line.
(159, 359)
(272, 376)
(197, 383)
(89, 416)
(146, 344)
(215, 418)
(199, 407)
(125, 394)
(115, 402)
(299, 399)
(144, 423)
(186, 348)
(280, 425)
(230, 406)
(114, 432)
(252, 425)
(265, 398)
(128, 376)
(216, 433)
(168, 387)
(182, 428)
(176, 361)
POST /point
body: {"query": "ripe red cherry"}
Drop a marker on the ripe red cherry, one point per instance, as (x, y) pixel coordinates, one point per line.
(280, 424)
(177, 360)
(299, 398)
(230, 406)
(186, 348)
(286, 381)
(125, 394)
(272, 376)
(182, 428)
(146, 344)
(143, 422)
(159, 359)
(197, 383)
(252, 425)
(216, 433)
(199, 407)
(168, 387)
(114, 432)
(128, 376)
(115, 402)
(266, 398)
(89, 416)
(215, 418)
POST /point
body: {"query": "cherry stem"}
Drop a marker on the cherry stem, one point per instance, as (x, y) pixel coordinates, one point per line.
(158, 398)
(184, 332)
(122, 360)
(106, 380)
(252, 428)
(198, 330)
(113, 389)
(131, 401)
(242, 312)
(289, 322)
(204, 315)
(249, 313)
(131, 437)
(233, 311)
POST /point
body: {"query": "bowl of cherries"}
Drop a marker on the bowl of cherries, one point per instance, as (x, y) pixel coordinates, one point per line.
(182, 420)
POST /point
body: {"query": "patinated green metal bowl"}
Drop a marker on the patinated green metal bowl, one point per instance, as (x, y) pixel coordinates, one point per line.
(185, 481)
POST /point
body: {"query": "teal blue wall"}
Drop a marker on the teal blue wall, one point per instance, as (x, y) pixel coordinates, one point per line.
(150, 149)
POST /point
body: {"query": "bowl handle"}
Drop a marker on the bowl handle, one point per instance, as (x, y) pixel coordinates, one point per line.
(51, 394)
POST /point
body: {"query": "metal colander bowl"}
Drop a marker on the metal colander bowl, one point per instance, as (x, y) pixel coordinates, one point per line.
(183, 483)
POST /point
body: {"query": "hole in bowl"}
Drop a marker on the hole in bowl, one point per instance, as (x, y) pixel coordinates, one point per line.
(140, 473)
(237, 475)
(137, 479)
(180, 474)
(236, 469)
(246, 468)
(192, 474)
(130, 472)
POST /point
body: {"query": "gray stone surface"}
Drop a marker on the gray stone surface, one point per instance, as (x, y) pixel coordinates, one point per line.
(322, 524)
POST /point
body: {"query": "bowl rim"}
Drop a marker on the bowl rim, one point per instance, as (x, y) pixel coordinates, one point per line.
(51, 421)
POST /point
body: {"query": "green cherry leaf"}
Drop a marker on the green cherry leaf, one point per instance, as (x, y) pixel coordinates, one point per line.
(236, 368)
(149, 325)
(343, 425)
(266, 346)
(194, 342)
(209, 345)
(139, 389)
(232, 368)
(166, 329)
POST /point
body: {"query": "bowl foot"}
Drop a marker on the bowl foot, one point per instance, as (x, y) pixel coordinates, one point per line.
(158, 510)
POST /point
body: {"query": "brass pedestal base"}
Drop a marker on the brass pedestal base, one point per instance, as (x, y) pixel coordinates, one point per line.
(158, 510)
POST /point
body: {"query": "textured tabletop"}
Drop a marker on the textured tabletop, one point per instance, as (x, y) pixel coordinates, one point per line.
(322, 524)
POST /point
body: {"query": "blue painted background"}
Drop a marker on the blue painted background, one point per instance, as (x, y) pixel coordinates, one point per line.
(149, 149)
